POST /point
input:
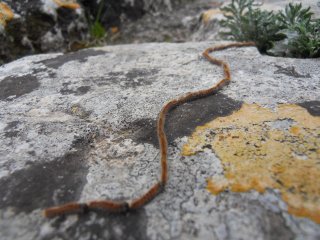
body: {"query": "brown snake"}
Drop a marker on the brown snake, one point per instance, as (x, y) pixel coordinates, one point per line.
(121, 206)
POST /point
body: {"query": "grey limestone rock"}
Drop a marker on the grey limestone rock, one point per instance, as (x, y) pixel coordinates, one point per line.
(81, 126)
(40, 26)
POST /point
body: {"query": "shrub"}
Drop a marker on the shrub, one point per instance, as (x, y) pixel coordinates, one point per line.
(292, 29)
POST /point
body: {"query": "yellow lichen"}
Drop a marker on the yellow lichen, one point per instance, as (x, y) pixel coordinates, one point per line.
(72, 4)
(260, 148)
(210, 14)
(6, 14)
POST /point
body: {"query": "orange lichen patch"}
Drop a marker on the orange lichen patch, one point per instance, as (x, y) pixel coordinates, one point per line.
(114, 30)
(72, 4)
(218, 185)
(295, 130)
(209, 14)
(6, 14)
(303, 212)
(260, 148)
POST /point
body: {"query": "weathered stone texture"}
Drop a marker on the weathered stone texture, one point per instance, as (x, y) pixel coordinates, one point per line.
(81, 126)
(38, 26)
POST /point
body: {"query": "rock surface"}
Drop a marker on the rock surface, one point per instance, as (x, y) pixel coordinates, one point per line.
(41, 26)
(192, 21)
(81, 126)
(183, 24)
(38, 26)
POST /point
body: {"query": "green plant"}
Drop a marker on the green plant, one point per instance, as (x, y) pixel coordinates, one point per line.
(293, 29)
(304, 31)
(294, 14)
(246, 23)
(97, 30)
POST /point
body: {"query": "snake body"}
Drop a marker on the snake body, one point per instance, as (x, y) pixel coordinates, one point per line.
(121, 206)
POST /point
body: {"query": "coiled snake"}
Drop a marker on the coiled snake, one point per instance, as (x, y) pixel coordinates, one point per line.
(121, 206)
